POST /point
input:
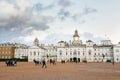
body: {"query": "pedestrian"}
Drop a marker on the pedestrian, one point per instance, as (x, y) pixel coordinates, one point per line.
(44, 64)
(113, 63)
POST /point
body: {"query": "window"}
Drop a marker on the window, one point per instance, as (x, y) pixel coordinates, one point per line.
(74, 53)
(89, 52)
(83, 53)
(9, 52)
(6, 57)
(60, 52)
(34, 53)
(3, 57)
(117, 59)
(98, 53)
(98, 49)
(9, 57)
(38, 53)
(106, 54)
(78, 52)
(95, 54)
(95, 49)
(66, 53)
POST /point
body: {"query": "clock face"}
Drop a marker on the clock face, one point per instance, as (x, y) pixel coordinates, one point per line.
(76, 38)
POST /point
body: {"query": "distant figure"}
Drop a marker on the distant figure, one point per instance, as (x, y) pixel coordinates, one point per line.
(63, 61)
(36, 62)
(52, 61)
(44, 64)
(113, 63)
(11, 62)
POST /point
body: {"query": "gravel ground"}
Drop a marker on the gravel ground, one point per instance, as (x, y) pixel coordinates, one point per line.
(67, 71)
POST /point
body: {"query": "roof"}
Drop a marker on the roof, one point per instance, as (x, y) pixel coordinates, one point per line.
(76, 34)
(89, 41)
(61, 42)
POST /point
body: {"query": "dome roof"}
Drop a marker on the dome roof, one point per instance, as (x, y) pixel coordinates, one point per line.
(61, 42)
(36, 40)
(76, 34)
(89, 41)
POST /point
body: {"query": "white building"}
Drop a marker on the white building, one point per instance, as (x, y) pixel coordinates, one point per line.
(90, 52)
(21, 51)
(73, 50)
(36, 52)
(116, 52)
(32, 52)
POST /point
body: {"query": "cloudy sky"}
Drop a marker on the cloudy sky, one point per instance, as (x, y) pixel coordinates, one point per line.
(54, 20)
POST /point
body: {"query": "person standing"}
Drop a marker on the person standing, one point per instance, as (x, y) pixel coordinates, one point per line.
(44, 64)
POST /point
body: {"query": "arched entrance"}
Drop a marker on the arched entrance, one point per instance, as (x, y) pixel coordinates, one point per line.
(74, 59)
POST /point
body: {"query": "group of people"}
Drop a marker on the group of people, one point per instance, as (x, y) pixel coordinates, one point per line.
(52, 62)
(43, 63)
(11, 62)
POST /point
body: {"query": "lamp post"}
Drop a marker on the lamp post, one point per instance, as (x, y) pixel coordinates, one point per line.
(113, 60)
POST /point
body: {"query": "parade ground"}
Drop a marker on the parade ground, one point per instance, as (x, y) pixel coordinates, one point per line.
(67, 71)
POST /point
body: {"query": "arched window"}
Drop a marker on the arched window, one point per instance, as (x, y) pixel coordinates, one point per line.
(89, 52)
(75, 52)
(60, 52)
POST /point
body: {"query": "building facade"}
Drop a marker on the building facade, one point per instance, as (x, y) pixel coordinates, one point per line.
(72, 51)
(90, 52)
(7, 51)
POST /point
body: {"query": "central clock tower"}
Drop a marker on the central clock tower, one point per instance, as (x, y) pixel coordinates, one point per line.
(76, 36)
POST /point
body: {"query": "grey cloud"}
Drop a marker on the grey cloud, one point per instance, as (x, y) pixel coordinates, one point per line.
(54, 38)
(85, 12)
(88, 10)
(90, 36)
(63, 14)
(64, 3)
(41, 7)
(19, 22)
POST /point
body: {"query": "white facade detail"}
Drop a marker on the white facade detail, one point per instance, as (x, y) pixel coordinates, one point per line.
(72, 51)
